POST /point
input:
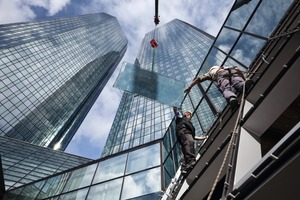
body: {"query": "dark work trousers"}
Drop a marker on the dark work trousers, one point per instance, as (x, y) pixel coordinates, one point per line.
(186, 141)
(227, 86)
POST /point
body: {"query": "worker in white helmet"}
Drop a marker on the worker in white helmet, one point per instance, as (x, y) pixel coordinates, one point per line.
(226, 79)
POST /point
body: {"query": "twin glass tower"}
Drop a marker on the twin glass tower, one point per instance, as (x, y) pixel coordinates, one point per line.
(52, 72)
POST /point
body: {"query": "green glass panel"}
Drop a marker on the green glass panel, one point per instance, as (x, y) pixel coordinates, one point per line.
(149, 84)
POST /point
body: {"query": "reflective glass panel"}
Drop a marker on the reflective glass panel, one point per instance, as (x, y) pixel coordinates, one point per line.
(105, 191)
(169, 166)
(77, 195)
(216, 97)
(241, 14)
(53, 186)
(206, 116)
(150, 84)
(11, 195)
(143, 158)
(31, 191)
(271, 11)
(142, 183)
(247, 48)
(226, 39)
(110, 168)
(166, 144)
(80, 178)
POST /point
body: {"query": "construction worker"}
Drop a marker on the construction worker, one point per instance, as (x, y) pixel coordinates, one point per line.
(226, 79)
(185, 132)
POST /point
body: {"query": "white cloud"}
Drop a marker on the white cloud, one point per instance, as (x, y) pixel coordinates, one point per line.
(14, 11)
(21, 10)
(57, 5)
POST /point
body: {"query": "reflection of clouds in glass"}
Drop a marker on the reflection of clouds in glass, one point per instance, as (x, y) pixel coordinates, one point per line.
(224, 47)
(141, 184)
(247, 48)
(239, 55)
(153, 180)
(267, 17)
(107, 190)
(239, 17)
(226, 39)
(80, 178)
(110, 168)
(134, 188)
(143, 158)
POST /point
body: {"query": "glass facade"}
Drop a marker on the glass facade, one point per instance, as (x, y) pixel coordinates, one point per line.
(23, 163)
(139, 120)
(135, 174)
(51, 73)
(150, 84)
(246, 30)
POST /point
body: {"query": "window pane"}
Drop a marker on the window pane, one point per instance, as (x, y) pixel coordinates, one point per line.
(226, 39)
(142, 183)
(246, 49)
(80, 178)
(105, 191)
(31, 191)
(150, 84)
(271, 13)
(77, 195)
(110, 168)
(53, 186)
(143, 158)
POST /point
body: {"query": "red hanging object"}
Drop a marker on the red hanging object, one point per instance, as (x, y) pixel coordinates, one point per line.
(153, 43)
(156, 21)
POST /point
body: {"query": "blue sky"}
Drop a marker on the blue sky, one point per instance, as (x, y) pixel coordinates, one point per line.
(136, 18)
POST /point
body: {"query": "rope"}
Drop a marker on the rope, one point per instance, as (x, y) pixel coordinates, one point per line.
(230, 144)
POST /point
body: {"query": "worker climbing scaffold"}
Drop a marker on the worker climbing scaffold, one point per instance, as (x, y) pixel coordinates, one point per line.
(228, 80)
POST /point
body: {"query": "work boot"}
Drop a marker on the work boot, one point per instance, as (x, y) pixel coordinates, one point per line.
(233, 103)
(248, 84)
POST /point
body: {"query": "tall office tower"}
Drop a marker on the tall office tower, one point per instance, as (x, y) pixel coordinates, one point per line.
(139, 120)
(51, 73)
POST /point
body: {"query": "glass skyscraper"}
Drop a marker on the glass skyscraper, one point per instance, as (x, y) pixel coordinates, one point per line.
(51, 73)
(132, 164)
(139, 166)
(24, 163)
(139, 120)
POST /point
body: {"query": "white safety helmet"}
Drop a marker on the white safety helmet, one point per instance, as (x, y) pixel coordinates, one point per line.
(214, 67)
(213, 71)
(188, 112)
